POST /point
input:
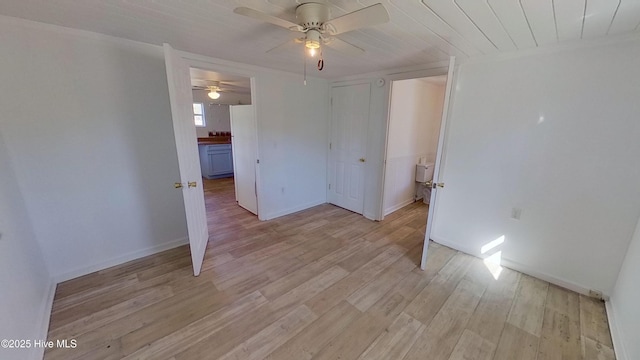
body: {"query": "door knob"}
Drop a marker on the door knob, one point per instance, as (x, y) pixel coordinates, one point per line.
(178, 185)
(362, 160)
(192, 184)
(430, 184)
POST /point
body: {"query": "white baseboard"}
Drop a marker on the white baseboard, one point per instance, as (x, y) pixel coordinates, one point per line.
(292, 210)
(618, 346)
(523, 268)
(398, 206)
(42, 322)
(119, 260)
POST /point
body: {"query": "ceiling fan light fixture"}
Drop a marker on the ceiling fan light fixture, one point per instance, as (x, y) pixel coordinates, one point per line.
(312, 40)
(312, 44)
(213, 93)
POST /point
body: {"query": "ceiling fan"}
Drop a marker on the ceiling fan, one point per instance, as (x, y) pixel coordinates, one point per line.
(318, 29)
(212, 87)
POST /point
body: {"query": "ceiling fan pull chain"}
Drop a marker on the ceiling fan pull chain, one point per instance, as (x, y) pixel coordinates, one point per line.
(320, 62)
(304, 59)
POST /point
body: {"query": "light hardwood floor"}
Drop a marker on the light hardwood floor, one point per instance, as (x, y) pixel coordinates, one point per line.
(323, 283)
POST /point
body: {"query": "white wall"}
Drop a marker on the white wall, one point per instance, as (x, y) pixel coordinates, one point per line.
(414, 125)
(623, 309)
(216, 112)
(555, 135)
(293, 130)
(87, 125)
(26, 287)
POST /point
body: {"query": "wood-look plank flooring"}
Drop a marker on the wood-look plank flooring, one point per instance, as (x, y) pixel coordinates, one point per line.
(323, 283)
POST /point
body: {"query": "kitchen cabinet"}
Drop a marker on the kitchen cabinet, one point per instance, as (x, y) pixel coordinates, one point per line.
(216, 161)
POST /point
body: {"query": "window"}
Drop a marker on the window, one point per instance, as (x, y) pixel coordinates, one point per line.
(198, 115)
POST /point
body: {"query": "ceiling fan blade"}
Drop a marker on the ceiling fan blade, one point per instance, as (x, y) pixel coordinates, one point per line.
(369, 16)
(343, 46)
(284, 46)
(259, 15)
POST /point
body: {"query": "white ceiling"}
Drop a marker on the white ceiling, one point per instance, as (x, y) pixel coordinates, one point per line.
(419, 31)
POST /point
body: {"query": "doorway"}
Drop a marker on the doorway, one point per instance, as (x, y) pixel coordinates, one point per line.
(415, 115)
(225, 127)
(185, 114)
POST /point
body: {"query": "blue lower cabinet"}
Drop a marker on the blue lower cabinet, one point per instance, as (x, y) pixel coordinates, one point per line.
(216, 161)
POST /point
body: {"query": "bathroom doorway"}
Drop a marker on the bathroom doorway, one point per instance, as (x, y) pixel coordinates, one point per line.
(415, 115)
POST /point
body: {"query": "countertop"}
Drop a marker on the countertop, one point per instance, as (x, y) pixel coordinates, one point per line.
(214, 140)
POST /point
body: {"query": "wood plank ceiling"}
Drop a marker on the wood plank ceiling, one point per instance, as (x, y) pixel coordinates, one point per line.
(419, 31)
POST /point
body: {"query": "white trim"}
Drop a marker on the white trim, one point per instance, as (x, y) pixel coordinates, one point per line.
(514, 265)
(120, 260)
(618, 346)
(42, 322)
(399, 206)
(408, 72)
(371, 216)
(294, 209)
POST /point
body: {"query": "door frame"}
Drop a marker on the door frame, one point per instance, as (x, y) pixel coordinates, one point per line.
(403, 76)
(386, 142)
(226, 67)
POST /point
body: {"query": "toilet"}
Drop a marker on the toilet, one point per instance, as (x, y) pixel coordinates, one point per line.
(424, 173)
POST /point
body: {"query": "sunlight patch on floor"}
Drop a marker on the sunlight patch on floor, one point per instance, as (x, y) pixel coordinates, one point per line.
(492, 262)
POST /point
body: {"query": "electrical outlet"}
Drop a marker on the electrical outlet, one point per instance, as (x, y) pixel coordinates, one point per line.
(515, 213)
(596, 294)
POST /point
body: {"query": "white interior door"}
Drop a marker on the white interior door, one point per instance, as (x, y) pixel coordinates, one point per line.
(243, 145)
(349, 123)
(436, 168)
(184, 129)
(348, 146)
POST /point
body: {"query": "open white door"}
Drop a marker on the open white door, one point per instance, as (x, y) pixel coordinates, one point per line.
(184, 129)
(243, 145)
(436, 169)
(348, 147)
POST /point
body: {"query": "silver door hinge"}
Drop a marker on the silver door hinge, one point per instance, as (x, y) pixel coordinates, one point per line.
(329, 186)
(329, 146)
(257, 161)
